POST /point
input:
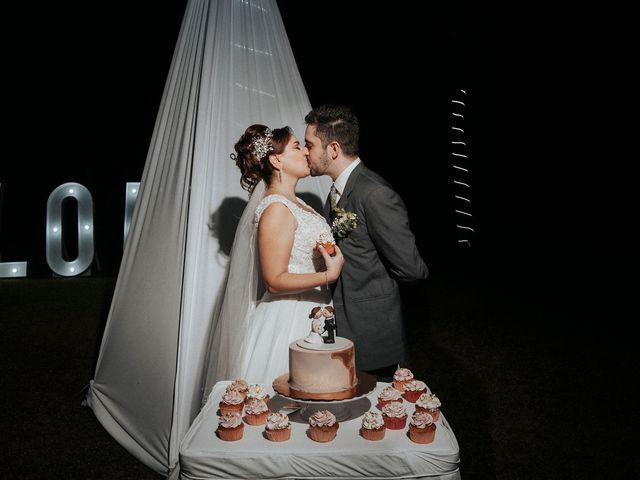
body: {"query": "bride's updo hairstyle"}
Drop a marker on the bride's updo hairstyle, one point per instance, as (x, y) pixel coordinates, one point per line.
(253, 150)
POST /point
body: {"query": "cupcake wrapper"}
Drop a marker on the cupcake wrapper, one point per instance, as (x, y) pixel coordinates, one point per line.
(281, 435)
(422, 435)
(230, 434)
(398, 385)
(259, 419)
(323, 434)
(230, 408)
(412, 396)
(394, 423)
(372, 434)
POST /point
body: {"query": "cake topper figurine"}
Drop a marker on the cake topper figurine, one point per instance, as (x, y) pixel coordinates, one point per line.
(322, 321)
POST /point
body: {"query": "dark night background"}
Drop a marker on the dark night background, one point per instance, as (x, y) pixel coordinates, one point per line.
(83, 94)
(85, 85)
(526, 331)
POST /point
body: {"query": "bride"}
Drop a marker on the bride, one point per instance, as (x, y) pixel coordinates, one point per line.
(251, 335)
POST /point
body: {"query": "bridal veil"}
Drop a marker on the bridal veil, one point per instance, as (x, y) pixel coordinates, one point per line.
(238, 297)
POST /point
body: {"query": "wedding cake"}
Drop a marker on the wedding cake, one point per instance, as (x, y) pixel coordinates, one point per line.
(322, 371)
(321, 365)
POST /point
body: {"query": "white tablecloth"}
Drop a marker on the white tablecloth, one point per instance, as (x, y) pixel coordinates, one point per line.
(204, 456)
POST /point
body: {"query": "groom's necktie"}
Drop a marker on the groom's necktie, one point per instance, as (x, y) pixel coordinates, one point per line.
(333, 197)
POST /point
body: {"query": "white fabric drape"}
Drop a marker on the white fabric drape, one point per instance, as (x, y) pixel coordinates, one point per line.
(232, 67)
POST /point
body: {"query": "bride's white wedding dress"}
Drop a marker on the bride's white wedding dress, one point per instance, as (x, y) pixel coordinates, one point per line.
(255, 345)
(280, 319)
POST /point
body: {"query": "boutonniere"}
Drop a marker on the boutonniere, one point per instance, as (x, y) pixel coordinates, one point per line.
(343, 222)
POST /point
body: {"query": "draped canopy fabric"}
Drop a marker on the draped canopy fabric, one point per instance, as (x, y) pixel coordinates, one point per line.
(232, 67)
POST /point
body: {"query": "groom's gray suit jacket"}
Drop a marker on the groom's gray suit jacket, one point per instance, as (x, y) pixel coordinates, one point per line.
(379, 253)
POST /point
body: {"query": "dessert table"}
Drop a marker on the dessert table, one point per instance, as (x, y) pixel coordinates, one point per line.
(204, 456)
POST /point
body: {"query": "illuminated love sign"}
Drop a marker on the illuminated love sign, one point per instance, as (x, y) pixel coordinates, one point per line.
(54, 233)
(54, 243)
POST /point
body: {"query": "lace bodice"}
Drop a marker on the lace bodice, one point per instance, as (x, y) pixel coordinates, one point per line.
(304, 258)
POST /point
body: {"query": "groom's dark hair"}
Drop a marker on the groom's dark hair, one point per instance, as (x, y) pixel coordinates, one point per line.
(336, 123)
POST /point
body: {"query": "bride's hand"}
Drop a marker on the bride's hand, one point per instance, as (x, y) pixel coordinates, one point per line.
(334, 264)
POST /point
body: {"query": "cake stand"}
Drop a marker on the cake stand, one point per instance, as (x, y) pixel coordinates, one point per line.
(303, 405)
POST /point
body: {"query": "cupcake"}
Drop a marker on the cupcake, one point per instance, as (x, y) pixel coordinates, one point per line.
(278, 428)
(323, 426)
(429, 403)
(326, 240)
(258, 392)
(232, 401)
(394, 416)
(400, 377)
(422, 428)
(240, 385)
(413, 389)
(230, 426)
(372, 426)
(388, 394)
(255, 411)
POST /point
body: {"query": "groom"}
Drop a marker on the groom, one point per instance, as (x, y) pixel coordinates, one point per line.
(380, 250)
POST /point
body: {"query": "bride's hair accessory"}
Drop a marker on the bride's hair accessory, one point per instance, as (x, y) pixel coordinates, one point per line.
(261, 145)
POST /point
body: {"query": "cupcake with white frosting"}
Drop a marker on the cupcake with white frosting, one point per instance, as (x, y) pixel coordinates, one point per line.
(323, 426)
(278, 427)
(387, 395)
(394, 415)
(257, 391)
(232, 401)
(240, 385)
(255, 411)
(413, 389)
(422, 428)
(327, 241)
(429, 403)
(373, 427)
(400, 377)
(230, 426)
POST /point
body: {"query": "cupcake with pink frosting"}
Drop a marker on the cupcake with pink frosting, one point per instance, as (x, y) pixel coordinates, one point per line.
(232, 401)
(400, 377)
(429, 403)
(373, 427)
(388, 394)
(413, 389)
(278, 427)
(394, 415)
(255, 411)
(422, 428)
(230, 426)
(323, 426)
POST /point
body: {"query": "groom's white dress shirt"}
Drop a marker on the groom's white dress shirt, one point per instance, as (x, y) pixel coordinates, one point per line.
(341, 181)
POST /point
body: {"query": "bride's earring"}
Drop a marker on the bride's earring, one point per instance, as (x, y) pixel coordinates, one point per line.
(280, 174)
